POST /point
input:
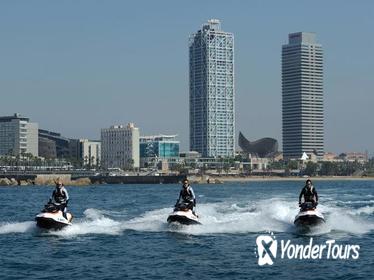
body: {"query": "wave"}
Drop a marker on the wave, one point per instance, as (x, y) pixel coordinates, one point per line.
(354, 202)
(94, 222)
(367, 210)
(17, 227)
(274, 215)
(267, 215)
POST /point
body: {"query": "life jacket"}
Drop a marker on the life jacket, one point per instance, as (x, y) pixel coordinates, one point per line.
(186, 194)
(309, 194)
(59, 195)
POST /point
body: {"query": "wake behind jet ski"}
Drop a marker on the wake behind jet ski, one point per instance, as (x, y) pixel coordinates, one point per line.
(51, 217)
(308, 216)
(184, 208)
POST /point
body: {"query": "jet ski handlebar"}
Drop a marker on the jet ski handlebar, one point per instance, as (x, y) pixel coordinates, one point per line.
(50, 207)
(183, 206)
(308, 205)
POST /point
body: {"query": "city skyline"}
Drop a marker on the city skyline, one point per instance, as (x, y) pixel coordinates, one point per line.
(85, 68)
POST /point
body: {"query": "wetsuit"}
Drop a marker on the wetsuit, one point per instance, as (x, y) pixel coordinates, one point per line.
(60, 198)
(310, 195)
(188, 196)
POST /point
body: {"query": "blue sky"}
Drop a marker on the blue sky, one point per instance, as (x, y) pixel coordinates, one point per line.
(78, 66)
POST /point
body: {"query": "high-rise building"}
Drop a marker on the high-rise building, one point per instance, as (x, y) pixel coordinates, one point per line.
(18, 136)
(302, 96)
(120, 147)
(212, 92)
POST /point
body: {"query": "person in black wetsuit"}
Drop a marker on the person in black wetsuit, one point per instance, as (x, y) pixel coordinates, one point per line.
(187, 195)
(310, 193)
(60, 197)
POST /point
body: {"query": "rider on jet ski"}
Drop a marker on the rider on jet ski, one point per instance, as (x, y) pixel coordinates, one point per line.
(60, 197)
(310, 193)
(187, 195)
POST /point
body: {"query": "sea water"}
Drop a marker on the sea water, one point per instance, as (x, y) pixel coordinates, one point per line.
(120, 231)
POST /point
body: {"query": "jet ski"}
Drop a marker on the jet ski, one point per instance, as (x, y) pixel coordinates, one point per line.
(308, 216)
(51, 217)
(184, 215)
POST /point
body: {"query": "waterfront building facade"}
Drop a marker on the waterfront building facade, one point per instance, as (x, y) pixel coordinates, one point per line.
(302, 96)
(18, 136)
(158, 147)
(212, 91)
(120, 147)
(62, 144)
(161, 146)
(74, 149)
(47, 148)
(89, 152)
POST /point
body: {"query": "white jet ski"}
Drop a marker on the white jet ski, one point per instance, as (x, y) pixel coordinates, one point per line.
(183, 215)
(308, 216)
(52, 218)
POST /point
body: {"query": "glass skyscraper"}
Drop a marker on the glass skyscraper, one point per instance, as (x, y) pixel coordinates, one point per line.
(302, 96)
(212, 92)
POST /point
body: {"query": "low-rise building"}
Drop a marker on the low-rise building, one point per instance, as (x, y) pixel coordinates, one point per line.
(86, 152)
(157, 148)
(47, 148)
(90, 151)
(257, 163)
(74, 149)
(61, 142)
(355, 156)
(350, 156)
(328, 156)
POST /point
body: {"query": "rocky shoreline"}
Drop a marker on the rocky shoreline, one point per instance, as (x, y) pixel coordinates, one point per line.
(44, 182)
(50, 180)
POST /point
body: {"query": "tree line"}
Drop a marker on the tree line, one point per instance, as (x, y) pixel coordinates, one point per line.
(327, 168)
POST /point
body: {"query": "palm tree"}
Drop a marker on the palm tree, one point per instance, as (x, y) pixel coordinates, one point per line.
(85, 160)
(226, 167)
(131, 163)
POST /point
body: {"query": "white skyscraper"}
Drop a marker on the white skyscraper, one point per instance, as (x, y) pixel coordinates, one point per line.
(120, 147)
(212, 92)
(302, 96)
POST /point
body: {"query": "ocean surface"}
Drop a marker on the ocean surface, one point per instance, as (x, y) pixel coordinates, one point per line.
(120, 232)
